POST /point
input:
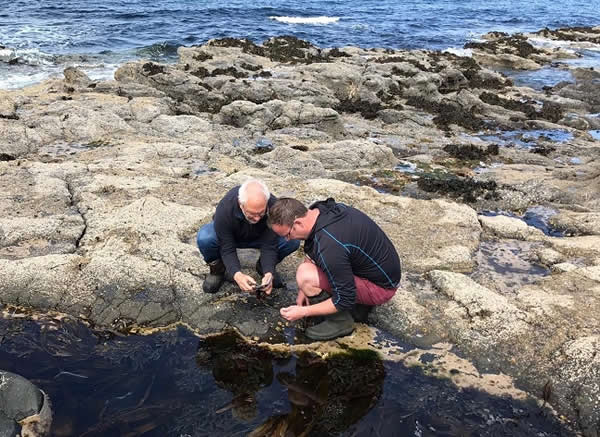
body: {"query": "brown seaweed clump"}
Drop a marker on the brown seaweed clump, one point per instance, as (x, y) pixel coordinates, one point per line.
(514, 45)
(448, 113)
(468, 189)
(469, 152)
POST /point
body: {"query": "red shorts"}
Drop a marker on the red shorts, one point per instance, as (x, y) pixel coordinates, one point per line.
(367, 293)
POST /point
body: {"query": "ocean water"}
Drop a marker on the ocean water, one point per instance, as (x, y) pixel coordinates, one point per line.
(38, 39)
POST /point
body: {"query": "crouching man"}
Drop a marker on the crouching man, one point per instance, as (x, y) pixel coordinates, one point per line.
(240, 222)
(348, 255)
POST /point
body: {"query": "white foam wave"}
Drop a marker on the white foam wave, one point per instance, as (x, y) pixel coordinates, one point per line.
(465, 53)
(26, 56)
(101, 72)
(14, 81)
(306, 20)
(570, 46)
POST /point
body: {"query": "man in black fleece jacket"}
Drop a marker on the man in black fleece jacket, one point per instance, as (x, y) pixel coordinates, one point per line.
(240, 222)
(348, 255)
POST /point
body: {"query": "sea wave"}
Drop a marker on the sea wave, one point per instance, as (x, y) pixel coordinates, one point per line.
(25, 56)
(159, 50)
(465, 53)
(306, 20)
(572, 46)
(10, 80)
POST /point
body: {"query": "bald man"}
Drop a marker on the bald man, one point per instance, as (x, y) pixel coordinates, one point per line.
(240, 222)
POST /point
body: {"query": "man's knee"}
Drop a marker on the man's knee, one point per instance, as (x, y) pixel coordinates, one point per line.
(206, 239)
(307, 277)
(206, 236)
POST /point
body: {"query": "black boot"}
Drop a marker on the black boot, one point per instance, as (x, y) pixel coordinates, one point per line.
(360, 312)
(335, 325)
(277, 281)
(215, 278)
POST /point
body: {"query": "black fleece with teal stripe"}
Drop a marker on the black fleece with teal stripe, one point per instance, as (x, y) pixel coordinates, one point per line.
(345, 243)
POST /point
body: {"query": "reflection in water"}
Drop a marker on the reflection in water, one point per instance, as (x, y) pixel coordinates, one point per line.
(175, 384)
(505, 266)
(527, 138)
(324, 397)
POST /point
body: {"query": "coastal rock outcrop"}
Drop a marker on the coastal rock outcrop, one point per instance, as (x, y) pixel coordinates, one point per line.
(104, 184)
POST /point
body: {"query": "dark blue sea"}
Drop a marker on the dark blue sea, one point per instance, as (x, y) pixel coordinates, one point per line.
(38, 39)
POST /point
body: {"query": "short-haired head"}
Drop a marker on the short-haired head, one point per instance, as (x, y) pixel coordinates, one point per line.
(284, 211)
(251, 189)
(253, 198)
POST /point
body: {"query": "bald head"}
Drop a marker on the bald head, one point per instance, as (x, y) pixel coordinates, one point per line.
(253, 197)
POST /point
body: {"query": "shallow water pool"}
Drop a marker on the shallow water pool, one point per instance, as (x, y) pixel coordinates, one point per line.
(174, 383)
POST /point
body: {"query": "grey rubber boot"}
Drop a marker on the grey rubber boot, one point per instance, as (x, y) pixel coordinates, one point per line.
(277, 281)
(215, 278)
(335, 325)
(360, 312)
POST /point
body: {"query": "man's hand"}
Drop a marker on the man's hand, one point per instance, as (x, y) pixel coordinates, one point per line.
(245, 282)
(293, 312)
(267, 281)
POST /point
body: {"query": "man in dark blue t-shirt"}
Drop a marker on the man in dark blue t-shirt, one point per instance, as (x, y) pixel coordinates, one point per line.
(240, 222)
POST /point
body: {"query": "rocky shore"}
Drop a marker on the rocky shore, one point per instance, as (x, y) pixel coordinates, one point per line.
(104, 184)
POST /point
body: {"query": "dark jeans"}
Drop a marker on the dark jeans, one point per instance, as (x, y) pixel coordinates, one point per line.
(208, 245)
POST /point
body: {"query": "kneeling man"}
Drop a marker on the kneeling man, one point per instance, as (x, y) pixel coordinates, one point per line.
(349, 256)
(240, 222)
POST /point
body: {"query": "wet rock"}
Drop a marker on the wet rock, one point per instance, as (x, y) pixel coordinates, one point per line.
(563, 267)
(551, 111)
(291, 49)
(61, 231)
(230, 71)
(509, 227)
(264, 145)
(513, 105)
(152, 69)
(24, 406)
(246, 45)
(277, 115)
(448, 113)
(452, 80)
(367, 109)
(508, 51)
(549, 256)
(585, 74)
(281, 89)
(576, 33)
(183, 88)
(586, 247)
(577, 223)
(180, 126)
(146, 109)
(575, 121)
(516, 45)
(354, 154)
(477, 76)
(581, 369)
(8, 108)
(543, 150)
(586, 92)
(250, 67)
(75, 76)
(390, 116)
